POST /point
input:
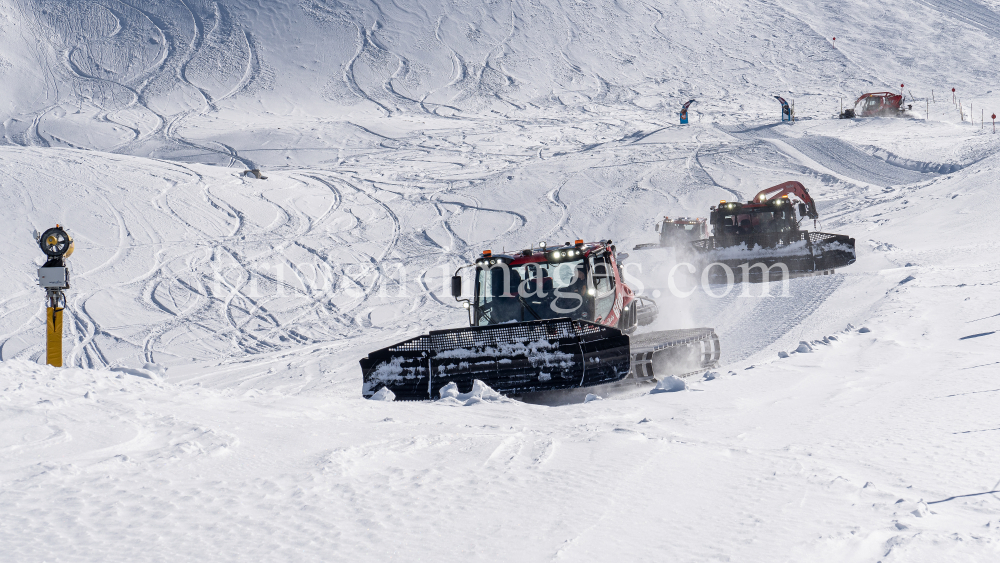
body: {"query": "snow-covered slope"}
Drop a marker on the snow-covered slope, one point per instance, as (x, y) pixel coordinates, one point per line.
(399, 141)
(204, 80)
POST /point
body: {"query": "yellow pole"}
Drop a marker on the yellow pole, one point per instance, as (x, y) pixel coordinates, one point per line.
(53, 336)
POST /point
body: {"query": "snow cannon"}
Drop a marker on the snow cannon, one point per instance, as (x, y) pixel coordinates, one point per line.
(53, 277)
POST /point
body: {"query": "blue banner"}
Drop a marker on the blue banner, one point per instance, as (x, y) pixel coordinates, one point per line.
(786, 111)
(684, 112)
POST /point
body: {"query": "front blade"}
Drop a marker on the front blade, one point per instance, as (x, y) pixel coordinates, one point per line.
(647, 246)
(773, 256)
(832, 251)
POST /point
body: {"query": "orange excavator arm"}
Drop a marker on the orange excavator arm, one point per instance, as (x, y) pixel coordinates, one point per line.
(788, 188)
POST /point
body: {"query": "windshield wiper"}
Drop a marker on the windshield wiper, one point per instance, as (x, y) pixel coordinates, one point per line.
(528, 307)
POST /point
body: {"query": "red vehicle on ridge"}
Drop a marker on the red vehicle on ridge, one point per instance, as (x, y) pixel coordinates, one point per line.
(877, 104)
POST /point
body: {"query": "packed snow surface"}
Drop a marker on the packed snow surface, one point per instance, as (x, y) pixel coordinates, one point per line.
(211, 409)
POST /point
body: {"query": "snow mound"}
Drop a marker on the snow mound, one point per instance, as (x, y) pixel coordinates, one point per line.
(138, 372)
(804, 347)
(592, 397)
(158, 369)
(383, 394)
(669, 385)
(879, 246)
(481, 393)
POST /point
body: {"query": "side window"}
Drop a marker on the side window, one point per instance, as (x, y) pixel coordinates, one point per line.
(603, 277)
(494, 282)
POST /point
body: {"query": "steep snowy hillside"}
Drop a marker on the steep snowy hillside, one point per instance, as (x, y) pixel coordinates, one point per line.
(211, 409)
(213, 81)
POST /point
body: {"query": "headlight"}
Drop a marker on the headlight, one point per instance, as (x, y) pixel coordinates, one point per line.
(466, 304)
(591, 292)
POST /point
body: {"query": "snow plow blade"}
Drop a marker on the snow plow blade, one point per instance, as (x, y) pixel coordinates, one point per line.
(647, 246)
(513, 359)
(775, 256)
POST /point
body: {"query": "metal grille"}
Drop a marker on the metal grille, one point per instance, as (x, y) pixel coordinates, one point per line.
(670, 339)
(819, 238)
(482, 336)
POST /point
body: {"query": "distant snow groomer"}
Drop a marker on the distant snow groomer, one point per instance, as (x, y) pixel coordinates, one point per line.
(762, 239)
(877, 104)
(677, 232)
(542, 319)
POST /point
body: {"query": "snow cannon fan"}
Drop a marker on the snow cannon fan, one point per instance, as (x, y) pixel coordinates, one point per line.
(53, 277)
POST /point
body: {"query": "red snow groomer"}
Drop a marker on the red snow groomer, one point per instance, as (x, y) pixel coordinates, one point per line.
(762, 239)
(677, 232)
(877, 104)
(542, 319)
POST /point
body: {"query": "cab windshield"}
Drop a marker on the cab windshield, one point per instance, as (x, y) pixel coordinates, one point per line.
(533, 291)
(759, 221)
(871, 104)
